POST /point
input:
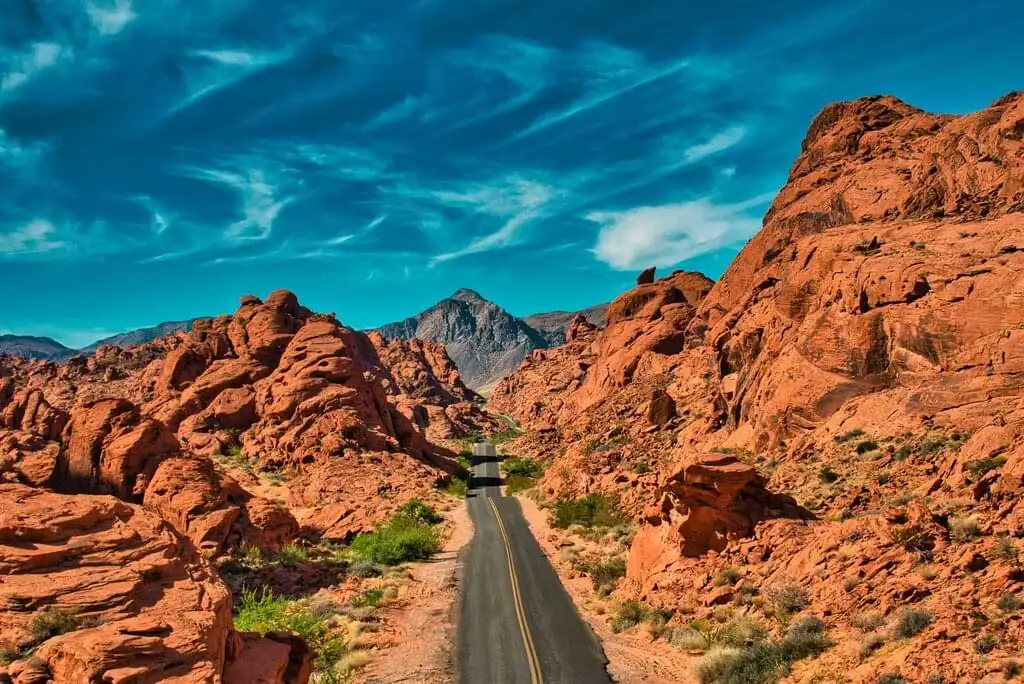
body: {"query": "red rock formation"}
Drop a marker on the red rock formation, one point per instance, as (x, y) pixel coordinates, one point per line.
(865, 344)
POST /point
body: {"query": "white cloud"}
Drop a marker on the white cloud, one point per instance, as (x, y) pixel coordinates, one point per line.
(235, 57)
(22, 67)
(35, 237)
(110, 18)
(718, 143)
(665, 235)
(517, 200)
(18, 156)
(259, 198)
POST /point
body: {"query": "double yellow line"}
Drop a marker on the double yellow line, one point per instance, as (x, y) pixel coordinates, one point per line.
(531, 652)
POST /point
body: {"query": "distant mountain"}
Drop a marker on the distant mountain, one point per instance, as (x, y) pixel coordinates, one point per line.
(33, 347)
(552, 325)
(485, 341)
(134, 337)
(45, 348)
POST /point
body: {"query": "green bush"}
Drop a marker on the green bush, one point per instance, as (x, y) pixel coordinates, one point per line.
(592, 510)
(985, 644)
(369, 597)
(292, 554)
(1005, 549)
(517, 483)
(1008, 603)
(52, 621)
(727, 576)
(983, 465)
(416, 510)
(848, 436)
(963, 528)
(788, 598)
(604, 574)
(502, 436)
(867, 446)
(263, 612)
(1010, 668)
(458, 486)
(401, 539)
(753, 659)
(526, 467)
(912, 621)
(630, 614)
(827, 475)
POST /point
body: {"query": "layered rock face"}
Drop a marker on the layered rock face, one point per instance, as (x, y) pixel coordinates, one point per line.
(864, 348)
(123, 472)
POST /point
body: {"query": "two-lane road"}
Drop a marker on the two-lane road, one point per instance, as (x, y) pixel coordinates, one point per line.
(516, 622)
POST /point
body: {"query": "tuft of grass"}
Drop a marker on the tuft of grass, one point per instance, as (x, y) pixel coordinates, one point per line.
(912, 622)
(640, 467)
(629, 615)
(1008, 602)
(458, 486)
(401, 539)
(1010, 668)
(1005, 549)
(263, 612)
(985, 644)
(892, 678)
(844, 437)
(364, 569)
(592, 510)
(604, 574)
(727, 576)
(292, 554)
(963, 528)
(763, 661)
(518, 483)
(502, 436)
(788, 598)
(52, 621)
(983, 465)
(415, 509)
(871, 643)
(868, 622)
(866, 446)
(369, 597)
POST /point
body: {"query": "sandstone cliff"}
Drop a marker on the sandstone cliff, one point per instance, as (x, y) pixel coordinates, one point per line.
(852, 377)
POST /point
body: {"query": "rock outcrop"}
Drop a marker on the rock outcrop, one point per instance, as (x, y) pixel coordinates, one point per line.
(862, 349)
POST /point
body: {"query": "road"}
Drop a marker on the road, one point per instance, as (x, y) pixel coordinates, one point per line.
(516, 622)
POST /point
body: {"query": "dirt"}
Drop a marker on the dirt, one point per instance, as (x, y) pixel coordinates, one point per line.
(634, 657)
(420, 623)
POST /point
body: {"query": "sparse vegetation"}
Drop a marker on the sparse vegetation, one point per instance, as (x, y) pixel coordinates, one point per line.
(892, 677)
(415, 509)
(1005, 549)
(1010, 669)
(827, 475)
(598, 445)
(912, 621)
(292, 554)
(762, 661)
(844, 437)
(978, 468)
(629, 615)
(592, 510)
(871, 643)
(727, 576)
(787, 599)
(401, 539)
(1008, 602)
(866, 446)
(263, 612)
(963, 528)
(364, 569)
(458, 485)
(985, 643)
(369, 597)
(527, 467)
(502, 436)
(604, 574)
(53, 621)
(868, 622)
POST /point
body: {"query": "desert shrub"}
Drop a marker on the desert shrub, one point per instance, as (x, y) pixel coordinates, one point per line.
(640, 467)
(827, 475)
(983, 465)
(604, 574)
(963, 528)
(892, 678)
(805, 638)
(1010, 668)
(369, 597)
(263, 612)
(868, 622)
(458, 485)
(1008, 602)
(592, 510)
(727, 576)
(866, 446)
(526, 467)
(912, 621)
(518, 483)
(629, 615)
(848, 436)
(985, 644)
(502, 436)
(788, 598)
(871, 643)
(291, 554)
(903, 452)
(401, 539)
(1005, 549)
(911, 537)
(364, 569)
(701, 635)
(52, 621)
(415, 509)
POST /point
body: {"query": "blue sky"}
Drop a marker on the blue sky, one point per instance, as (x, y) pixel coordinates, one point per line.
(159, 159)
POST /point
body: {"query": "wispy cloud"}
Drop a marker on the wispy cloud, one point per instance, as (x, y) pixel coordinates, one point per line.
(516, 200)
(260, 199)
(36, 237)
(219, 69)
(21, 67)
(110, 18)
(20, 156)
(667, 234)
(720, 142)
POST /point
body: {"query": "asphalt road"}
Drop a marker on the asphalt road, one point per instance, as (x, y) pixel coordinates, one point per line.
(516, 622)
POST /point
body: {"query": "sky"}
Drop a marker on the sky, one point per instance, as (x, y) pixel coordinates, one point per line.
(160, 159)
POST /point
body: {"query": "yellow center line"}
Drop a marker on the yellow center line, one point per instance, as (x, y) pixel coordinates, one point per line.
(531, 653)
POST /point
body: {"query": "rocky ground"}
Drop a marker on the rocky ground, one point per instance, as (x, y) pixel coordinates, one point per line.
(144, 490)
(821, 452)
